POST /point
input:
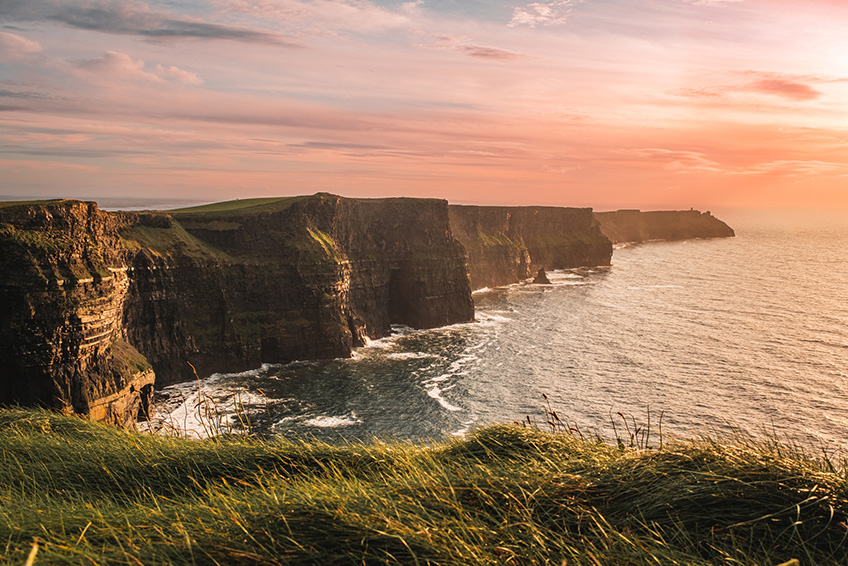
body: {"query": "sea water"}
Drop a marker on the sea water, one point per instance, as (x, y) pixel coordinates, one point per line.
(745, 333)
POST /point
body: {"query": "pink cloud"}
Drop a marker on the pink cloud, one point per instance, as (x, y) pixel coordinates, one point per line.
(30, 165)
(177, 75)
(786, 88)
(14, 48)
(115, 67)
(793, 168)
(329, 16)
(680, 161)
(113, 64)
(784, 85)
(447, 43)
(553, 12)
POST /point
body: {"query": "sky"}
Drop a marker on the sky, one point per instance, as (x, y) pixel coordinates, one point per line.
(603, 103)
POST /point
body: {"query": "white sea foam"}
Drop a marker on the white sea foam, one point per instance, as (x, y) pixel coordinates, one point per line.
(206, 407)
(263, 369)
(334, 421)
(411, 356)
(436, 393)
(491, 318)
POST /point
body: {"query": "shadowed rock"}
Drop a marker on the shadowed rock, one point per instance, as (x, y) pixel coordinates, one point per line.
(541, 278)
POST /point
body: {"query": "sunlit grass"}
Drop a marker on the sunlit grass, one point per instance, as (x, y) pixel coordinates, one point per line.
(92, 494)
(254, 204)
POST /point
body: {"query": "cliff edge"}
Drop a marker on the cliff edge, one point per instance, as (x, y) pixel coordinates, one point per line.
(508, 244)
(634, 226)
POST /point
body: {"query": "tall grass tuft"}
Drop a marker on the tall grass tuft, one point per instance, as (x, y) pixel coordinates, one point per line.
(76, 492)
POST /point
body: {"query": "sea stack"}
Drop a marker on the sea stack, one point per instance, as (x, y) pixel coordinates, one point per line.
(541, 278)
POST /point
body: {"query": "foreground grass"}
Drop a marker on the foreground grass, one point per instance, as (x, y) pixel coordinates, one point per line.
(91, 494)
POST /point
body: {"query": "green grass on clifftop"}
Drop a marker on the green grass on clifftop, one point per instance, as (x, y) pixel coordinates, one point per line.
(91, 494)
(248, 205)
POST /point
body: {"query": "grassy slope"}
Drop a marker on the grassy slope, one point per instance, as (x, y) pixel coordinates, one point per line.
(92, 494)
(250, 206)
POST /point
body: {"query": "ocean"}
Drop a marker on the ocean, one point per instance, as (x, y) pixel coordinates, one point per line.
(747, 333)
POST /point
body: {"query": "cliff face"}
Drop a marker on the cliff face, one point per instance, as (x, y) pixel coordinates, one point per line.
(507, 244)
(625, 226)
(63, 288)
(299, 278)
(93, 303)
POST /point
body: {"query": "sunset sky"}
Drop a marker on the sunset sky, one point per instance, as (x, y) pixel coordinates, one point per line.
(605, 103)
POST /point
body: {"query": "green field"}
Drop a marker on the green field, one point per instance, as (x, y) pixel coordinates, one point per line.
(76, 492)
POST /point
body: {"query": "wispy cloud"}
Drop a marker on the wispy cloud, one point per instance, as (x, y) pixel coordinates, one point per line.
(114, 66)
(329, 16)
(786, 88)
(679, 161)
(792, 168)
(129, 17)
(14, 48)
(176, 74)
(794, 87)
(477, 51)
(712, 2)
(549, 13)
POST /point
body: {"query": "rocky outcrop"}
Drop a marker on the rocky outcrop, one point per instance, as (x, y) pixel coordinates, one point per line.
(541, 278)
(507, 244)
(634, 226)
(94, 304)
(63, 290)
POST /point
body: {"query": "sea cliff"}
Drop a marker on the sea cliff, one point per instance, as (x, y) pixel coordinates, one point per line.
(96, 307)
(508, 244)
(95, 303)
(634, 226)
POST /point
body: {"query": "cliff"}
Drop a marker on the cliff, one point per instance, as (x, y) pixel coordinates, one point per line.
(63, 290)
(508, 244)
(92, 301)
(633, 226)
(234, 285)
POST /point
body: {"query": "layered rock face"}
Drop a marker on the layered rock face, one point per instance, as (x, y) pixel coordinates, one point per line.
(63, 289)
(633, 226)
(92, 303)
(299, 278)
(508, 244)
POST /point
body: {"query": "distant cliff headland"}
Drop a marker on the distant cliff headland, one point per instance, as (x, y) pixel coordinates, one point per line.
(97, 307)
(634, 226)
